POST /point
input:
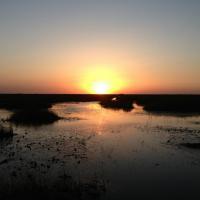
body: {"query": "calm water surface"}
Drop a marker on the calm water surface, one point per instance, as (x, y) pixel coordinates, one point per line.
(112, 154)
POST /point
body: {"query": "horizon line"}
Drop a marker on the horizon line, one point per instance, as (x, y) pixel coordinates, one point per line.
(100, 94)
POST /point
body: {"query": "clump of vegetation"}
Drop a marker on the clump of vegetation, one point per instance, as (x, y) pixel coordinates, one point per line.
(35, 117)
(6, 132)
(121, 102)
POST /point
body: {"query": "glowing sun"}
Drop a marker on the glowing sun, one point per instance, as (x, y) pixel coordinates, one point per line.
(102, 80)
(100, 87)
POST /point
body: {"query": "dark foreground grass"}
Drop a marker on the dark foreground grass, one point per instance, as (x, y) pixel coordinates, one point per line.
(65, 188)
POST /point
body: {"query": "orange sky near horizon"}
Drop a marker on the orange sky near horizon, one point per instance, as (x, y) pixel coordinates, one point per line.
(99, 47)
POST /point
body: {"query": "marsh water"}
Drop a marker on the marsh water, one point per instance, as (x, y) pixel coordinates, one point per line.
(99, 153)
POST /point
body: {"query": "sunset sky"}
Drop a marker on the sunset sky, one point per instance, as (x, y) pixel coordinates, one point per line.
(88, 46)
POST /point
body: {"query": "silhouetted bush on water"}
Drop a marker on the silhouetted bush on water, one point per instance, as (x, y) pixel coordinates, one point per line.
(33, 117)
(118, 103)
